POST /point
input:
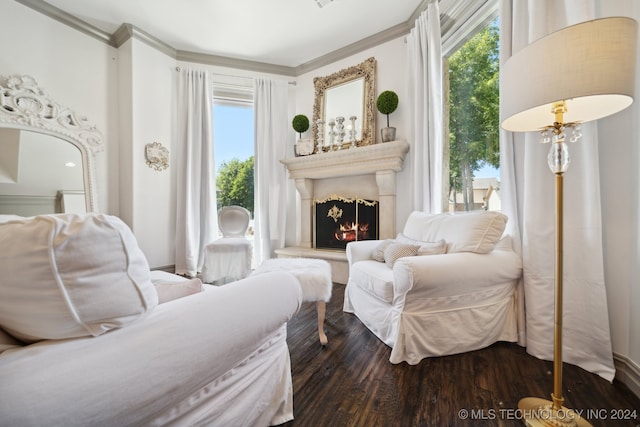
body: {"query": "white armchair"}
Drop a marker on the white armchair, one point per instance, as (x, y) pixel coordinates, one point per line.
(442, 303)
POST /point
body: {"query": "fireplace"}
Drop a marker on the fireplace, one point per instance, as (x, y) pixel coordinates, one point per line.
(367, 172)
(340, 220)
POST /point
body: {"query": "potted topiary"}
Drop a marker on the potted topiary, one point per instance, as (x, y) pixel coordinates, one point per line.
(387, 103)
(300, 124)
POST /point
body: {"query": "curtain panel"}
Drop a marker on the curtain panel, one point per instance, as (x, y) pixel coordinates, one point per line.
(196, 213)
(270, 179)
(425, 83)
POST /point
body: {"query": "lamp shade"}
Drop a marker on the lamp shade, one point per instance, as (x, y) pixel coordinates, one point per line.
(590, 66)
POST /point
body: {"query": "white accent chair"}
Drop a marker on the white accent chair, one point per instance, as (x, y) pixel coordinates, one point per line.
(438, 303)
(229, 258)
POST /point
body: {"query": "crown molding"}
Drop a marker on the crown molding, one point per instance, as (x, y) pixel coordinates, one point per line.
(243, 64)
(127, 31)
(392, 33)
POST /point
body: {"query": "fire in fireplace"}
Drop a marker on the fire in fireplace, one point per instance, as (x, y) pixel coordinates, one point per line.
(340, 220)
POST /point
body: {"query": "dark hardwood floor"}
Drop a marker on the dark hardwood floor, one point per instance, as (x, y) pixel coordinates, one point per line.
(350, 382)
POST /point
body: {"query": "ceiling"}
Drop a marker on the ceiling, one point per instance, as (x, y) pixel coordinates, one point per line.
(288, 33)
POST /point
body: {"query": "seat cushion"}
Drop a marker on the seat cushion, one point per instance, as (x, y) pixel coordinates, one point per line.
(71, 275)
(374, 277)
(476, 232)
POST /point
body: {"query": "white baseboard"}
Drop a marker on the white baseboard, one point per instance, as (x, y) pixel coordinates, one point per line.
(627, 372)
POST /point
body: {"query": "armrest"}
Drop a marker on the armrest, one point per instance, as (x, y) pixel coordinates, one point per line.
(361, 250)
(454, 274)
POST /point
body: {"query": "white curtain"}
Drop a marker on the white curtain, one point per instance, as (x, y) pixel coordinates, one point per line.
(528, 197)
(196, 215)
(425, 90)
(271, 141)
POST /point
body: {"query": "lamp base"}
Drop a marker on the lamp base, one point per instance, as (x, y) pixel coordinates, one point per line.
(538, 412)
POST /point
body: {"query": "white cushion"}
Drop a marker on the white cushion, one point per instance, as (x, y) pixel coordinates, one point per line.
(374, 277)
(71, 275)
(464, 232)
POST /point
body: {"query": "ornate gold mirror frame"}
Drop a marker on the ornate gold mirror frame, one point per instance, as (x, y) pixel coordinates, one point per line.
(363, 73)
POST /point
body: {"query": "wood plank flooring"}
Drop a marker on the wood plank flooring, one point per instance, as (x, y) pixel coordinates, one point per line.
(350, 382)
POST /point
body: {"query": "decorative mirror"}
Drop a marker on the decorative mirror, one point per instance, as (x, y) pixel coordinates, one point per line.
(40, 138)
(346, 93)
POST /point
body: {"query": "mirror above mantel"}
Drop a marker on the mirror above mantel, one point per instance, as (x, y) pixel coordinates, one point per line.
(48, 152)
(348, 92)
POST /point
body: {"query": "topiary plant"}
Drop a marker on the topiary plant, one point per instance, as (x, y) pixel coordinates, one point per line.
(387, 103)
(300, 123)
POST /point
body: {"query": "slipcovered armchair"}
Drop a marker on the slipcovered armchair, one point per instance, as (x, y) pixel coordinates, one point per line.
(445, 285)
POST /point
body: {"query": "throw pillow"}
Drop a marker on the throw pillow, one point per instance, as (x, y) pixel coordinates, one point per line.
(378, 252)
(426, 248)
(71, 275)
(395, 251)
(168, 291)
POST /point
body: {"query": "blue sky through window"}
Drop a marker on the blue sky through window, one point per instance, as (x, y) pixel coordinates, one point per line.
(232, 132)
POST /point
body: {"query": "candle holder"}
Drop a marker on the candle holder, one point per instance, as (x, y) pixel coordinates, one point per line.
(352, 131)
(332, 135)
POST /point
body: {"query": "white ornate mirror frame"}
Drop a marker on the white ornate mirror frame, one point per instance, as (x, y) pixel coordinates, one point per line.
(323, 85)
(24, 105)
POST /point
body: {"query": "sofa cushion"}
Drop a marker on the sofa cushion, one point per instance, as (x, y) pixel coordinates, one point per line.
(374, 277)
(464, 232)
(71, 275)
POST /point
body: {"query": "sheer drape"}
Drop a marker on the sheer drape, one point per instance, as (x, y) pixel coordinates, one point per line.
(271, 133)
(528, 197)
(425, 83)
(196, 217)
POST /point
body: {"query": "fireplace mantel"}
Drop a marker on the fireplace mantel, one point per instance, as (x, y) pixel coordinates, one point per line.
(354, 161)
(345, 170)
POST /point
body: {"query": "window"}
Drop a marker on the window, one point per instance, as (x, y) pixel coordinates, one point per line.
(472, 140)
(233, 148)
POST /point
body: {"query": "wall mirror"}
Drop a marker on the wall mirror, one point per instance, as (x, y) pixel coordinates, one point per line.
(47, 161)
(348, 92)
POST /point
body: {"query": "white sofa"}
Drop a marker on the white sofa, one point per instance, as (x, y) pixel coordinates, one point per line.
(445, 285)
(84, 341)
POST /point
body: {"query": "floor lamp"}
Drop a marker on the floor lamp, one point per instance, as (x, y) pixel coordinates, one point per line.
(581, 73)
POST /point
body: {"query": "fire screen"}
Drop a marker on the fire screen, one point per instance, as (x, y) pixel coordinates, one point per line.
(340, 220)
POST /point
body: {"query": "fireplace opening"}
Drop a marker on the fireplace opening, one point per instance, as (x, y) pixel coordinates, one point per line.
(340, 220)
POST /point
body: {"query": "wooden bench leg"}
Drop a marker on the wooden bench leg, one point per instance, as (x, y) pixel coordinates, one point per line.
(321, 307)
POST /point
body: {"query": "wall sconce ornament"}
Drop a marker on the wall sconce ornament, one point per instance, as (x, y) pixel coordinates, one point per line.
(157, 156)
